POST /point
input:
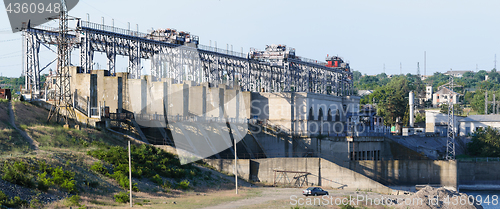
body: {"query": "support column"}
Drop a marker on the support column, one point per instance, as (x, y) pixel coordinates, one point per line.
(111, 54)
(31, 62)
(86, 54)
(134, 60)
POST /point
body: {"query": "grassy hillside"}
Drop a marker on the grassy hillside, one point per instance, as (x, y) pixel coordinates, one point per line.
(86, 167)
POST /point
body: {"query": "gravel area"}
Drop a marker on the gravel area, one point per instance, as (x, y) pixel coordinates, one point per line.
(27, 194)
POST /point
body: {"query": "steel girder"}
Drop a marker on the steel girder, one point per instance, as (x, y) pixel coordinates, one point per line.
(184, 63)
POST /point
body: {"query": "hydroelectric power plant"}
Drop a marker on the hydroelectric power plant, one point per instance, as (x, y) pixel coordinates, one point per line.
(291, 117)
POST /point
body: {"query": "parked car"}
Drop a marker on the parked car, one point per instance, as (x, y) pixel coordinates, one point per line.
(314, 191)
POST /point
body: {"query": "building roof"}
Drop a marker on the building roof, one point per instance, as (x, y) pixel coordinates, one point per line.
(445, 90)
(482, 118)
(456, 72)
(364, 92)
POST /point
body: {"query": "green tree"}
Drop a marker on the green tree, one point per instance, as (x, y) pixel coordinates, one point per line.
(485, 143)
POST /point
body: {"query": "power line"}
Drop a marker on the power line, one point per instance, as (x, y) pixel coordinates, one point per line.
(10, 65)
(15, 39)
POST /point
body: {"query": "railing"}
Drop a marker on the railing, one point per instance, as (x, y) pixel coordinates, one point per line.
(312, 61)
(112, 29)
(179, 118)
(121, 116)
(222, 51)
(94, 112)
(480, 159)
(81, 104)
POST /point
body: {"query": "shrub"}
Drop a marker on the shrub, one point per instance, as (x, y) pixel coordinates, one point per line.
(43, 182)
(43, 167)
(156, 179)
(122, 197)
(99, 168)
(11, 203)
(73, 201)
(65, 179)
(16, 174)
(3, 196)
(147, 161)
(167, 184)
(35, 203)
(183, 185)
(69, 186)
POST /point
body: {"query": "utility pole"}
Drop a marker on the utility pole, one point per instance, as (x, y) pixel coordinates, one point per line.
(130, 173)
(235, 165)
(400, 68)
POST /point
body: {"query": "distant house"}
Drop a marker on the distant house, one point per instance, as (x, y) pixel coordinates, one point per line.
(443, 96)
(457, 74)
(436, 122)
(472, 123)
(428, 93)
(5, 94)
(364, 92)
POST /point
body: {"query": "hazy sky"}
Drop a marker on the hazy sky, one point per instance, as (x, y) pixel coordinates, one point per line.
(455, 34)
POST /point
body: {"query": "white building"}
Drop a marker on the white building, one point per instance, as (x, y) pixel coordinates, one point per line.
(472, 123)
(436, 122)
(428, 93)
(443, 96)
(364, 92)
(457, 74)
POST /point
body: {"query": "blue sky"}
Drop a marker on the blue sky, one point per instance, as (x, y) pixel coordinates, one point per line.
(455, 34)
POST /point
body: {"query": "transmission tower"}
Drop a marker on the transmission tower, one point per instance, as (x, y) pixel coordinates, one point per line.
(418, 69)
(62, 108)
(450, 143)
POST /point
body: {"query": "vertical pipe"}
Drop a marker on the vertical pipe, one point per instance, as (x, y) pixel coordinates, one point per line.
(88, 17)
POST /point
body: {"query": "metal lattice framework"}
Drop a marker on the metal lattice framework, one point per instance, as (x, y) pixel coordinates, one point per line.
(189, 62)
(290, 178)
(62, 106)
(450, 143)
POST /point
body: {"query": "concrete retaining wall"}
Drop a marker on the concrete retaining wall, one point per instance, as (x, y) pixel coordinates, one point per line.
(409, 172)
(226, 165)
(322, 172)
(478, 173)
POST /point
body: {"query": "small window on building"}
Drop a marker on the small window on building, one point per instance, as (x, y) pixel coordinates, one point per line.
(53, 81)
